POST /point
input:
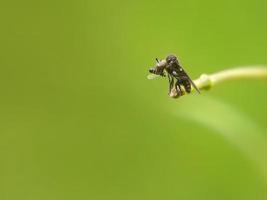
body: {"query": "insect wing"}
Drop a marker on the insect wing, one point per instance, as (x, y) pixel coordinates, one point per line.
(192, 83)
(152, 76)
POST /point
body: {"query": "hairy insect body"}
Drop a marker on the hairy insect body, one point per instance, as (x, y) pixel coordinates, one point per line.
(174, 70)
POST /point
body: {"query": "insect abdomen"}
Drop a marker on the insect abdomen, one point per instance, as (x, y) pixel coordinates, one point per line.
(187, 87)
(186, 83)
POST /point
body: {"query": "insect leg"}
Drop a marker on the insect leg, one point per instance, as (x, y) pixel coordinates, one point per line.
(178, 88)
(170, 82)
(169, 78)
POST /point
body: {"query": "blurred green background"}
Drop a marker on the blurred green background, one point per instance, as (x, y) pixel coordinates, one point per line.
(79, 119)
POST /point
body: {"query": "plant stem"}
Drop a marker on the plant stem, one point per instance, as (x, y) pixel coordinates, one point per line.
(207, 81)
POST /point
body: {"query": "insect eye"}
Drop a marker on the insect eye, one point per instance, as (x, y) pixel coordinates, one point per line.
(152, 70)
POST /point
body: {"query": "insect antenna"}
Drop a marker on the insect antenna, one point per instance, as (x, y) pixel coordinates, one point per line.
(157, 60)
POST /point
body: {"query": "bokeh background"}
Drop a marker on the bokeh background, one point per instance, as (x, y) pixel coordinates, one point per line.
(79, 119)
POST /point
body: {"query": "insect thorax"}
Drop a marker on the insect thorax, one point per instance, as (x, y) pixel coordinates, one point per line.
(171, 59)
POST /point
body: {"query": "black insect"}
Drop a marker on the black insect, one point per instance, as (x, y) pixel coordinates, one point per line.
(174, 70)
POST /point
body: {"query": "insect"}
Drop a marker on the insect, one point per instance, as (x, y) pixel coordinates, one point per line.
(174, 71)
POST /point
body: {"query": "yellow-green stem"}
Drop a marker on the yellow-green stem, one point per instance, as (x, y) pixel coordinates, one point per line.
(207, 81)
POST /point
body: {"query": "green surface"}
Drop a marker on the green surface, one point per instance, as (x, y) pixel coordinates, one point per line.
(79, 119)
